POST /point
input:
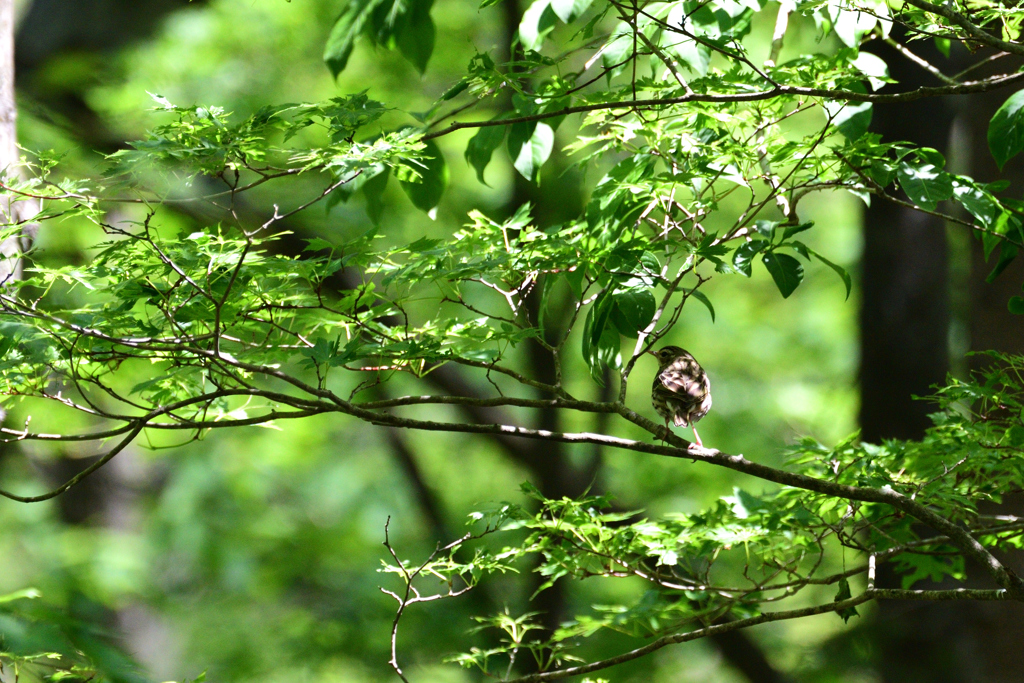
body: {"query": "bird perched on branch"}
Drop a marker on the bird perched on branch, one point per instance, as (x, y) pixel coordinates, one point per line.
(681, 391)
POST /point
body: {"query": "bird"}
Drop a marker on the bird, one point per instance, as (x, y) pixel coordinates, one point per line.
(681, 391)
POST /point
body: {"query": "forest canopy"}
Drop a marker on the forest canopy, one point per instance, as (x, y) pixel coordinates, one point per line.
(698, 131)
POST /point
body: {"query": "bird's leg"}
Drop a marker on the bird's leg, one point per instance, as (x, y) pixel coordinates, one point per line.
(664, 436)
(696, 437)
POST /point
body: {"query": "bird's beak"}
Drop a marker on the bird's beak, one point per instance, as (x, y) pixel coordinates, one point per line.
(651, 352)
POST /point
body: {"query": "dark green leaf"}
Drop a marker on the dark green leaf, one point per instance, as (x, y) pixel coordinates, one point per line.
(799, 247)
(415, 34)
(600, 340)
(1016, 305)
(839, 270)
(347, 27)
(796, 229)
(575, 279)
(845, 594)
(766, 228)
(373, 191)
(1007, 253)
(785, 270)
(710, 249)
(426, 191)
(634, 310)
(744, 255)
(481, 147)
(456, 90)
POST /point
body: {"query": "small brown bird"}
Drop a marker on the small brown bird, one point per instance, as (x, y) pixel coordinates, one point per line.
(681, 391)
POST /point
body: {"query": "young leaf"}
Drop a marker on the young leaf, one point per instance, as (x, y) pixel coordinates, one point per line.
(785, 270)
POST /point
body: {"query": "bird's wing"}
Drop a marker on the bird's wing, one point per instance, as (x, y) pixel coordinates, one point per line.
(682, 382)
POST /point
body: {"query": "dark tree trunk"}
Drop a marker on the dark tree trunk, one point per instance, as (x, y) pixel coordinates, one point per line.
(905, 341)
(904, 316)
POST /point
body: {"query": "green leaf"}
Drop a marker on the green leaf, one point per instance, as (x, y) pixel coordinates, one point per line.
(701, 297)
(1006, 129)
(785, 270)
(839, 270)
(978, 202)
(575, 279)
(634, 310)
(529, 146)
(1016, 305)
(844, 593)
(850, 118)
(456, 90)
(425, 192)
(744, 255)
(766, 228)
(796, 229)
(26, 593)
(601, 344)
(570, 10)
(481, 147)
(347, 27)
(373, 191)
(873, 67)
(415, 34)
(1007, 253)
(538, 21)
(925, 184)
(617, 50)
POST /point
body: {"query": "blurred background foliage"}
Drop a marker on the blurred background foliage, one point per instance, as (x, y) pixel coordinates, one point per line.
(252, 555)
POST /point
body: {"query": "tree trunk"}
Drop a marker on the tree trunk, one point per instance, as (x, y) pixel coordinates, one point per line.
(905, 342)
(904, 315)
(9, 264)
